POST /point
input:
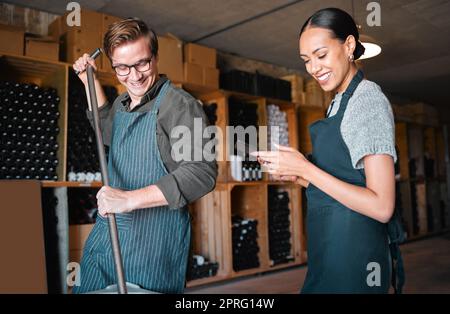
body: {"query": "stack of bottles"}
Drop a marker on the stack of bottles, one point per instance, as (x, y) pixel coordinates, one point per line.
(279, 227)
(50, 222)
(243, 168)
(201, 267)
(256, 84)
(247, 170)
(271, 87)
(83, 163)
(210, 111)
(239, 81)
(277, 131)
(251, 171)
(276, 117)
(29, 126)
(242, 113)
(245, 243)
(82, 205)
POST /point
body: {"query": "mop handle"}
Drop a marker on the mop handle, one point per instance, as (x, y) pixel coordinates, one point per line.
(103, 168)
(93, 55)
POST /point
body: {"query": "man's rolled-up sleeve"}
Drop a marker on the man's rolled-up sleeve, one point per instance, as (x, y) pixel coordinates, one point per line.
(193, 177)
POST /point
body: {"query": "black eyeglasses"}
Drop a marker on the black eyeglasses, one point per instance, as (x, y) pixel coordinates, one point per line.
(140, 66)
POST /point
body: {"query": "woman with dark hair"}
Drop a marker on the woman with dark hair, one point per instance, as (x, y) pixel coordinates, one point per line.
(350, 178)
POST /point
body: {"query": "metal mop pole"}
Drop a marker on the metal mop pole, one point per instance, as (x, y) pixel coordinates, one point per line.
(103, 168)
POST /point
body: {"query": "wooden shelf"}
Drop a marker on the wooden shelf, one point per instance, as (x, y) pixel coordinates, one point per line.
(205, 281)
(426, 235)
(69, 184)
(194, 88)
(248, 272)
(285, 265)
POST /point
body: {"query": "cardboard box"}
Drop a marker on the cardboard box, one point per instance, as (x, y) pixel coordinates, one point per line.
(55, 29)
(211, 77)
(170, 58)
(421, 108)
(297, 82)
(299, 98)
(42, 48)
(76, 42)
(12, 39)
(78, 235)
(89, 21)
(193, 73)
(201, 55)
(314, 94)
(108, 20)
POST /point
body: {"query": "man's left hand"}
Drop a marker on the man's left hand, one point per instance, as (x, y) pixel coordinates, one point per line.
(114, 201)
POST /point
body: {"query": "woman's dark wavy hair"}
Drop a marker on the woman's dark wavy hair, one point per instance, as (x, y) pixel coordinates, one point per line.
(339, 22)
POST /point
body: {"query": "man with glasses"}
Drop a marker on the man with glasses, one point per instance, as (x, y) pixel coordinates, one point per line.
(149, 189)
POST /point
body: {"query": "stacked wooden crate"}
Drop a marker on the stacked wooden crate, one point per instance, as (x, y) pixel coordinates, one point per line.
(297, 88)
(31, 45)
(14, 37)
(314, 94)
(402, 113)
(78, 40)
(424, 113)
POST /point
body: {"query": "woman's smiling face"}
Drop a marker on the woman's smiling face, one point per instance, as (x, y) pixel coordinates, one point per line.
(327, 58)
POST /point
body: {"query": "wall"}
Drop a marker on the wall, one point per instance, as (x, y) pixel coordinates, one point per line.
(33, 21)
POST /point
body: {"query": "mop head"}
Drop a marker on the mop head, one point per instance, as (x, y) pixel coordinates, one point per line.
(131, 289)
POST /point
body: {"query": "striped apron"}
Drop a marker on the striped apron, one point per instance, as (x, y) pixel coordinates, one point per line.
(154, 241)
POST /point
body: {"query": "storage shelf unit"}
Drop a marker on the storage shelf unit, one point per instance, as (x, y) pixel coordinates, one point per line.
(247, 199)
(422, 182)
(212, 228)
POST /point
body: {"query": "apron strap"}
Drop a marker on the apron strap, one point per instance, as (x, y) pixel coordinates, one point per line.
(398, 271)
(350, 90)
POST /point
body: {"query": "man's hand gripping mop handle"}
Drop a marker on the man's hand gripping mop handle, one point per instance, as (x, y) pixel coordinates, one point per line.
(103, 168)
(93, 55)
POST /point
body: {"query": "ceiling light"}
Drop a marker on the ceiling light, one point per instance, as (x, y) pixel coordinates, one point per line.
(372, 48)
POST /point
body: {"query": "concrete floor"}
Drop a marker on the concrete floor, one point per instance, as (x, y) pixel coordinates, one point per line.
(427, 267)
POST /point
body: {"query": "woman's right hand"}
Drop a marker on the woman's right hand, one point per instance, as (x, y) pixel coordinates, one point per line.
(81, 64)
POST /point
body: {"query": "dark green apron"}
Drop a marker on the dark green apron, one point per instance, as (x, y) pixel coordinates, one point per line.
(343, 245)
(154, 241)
